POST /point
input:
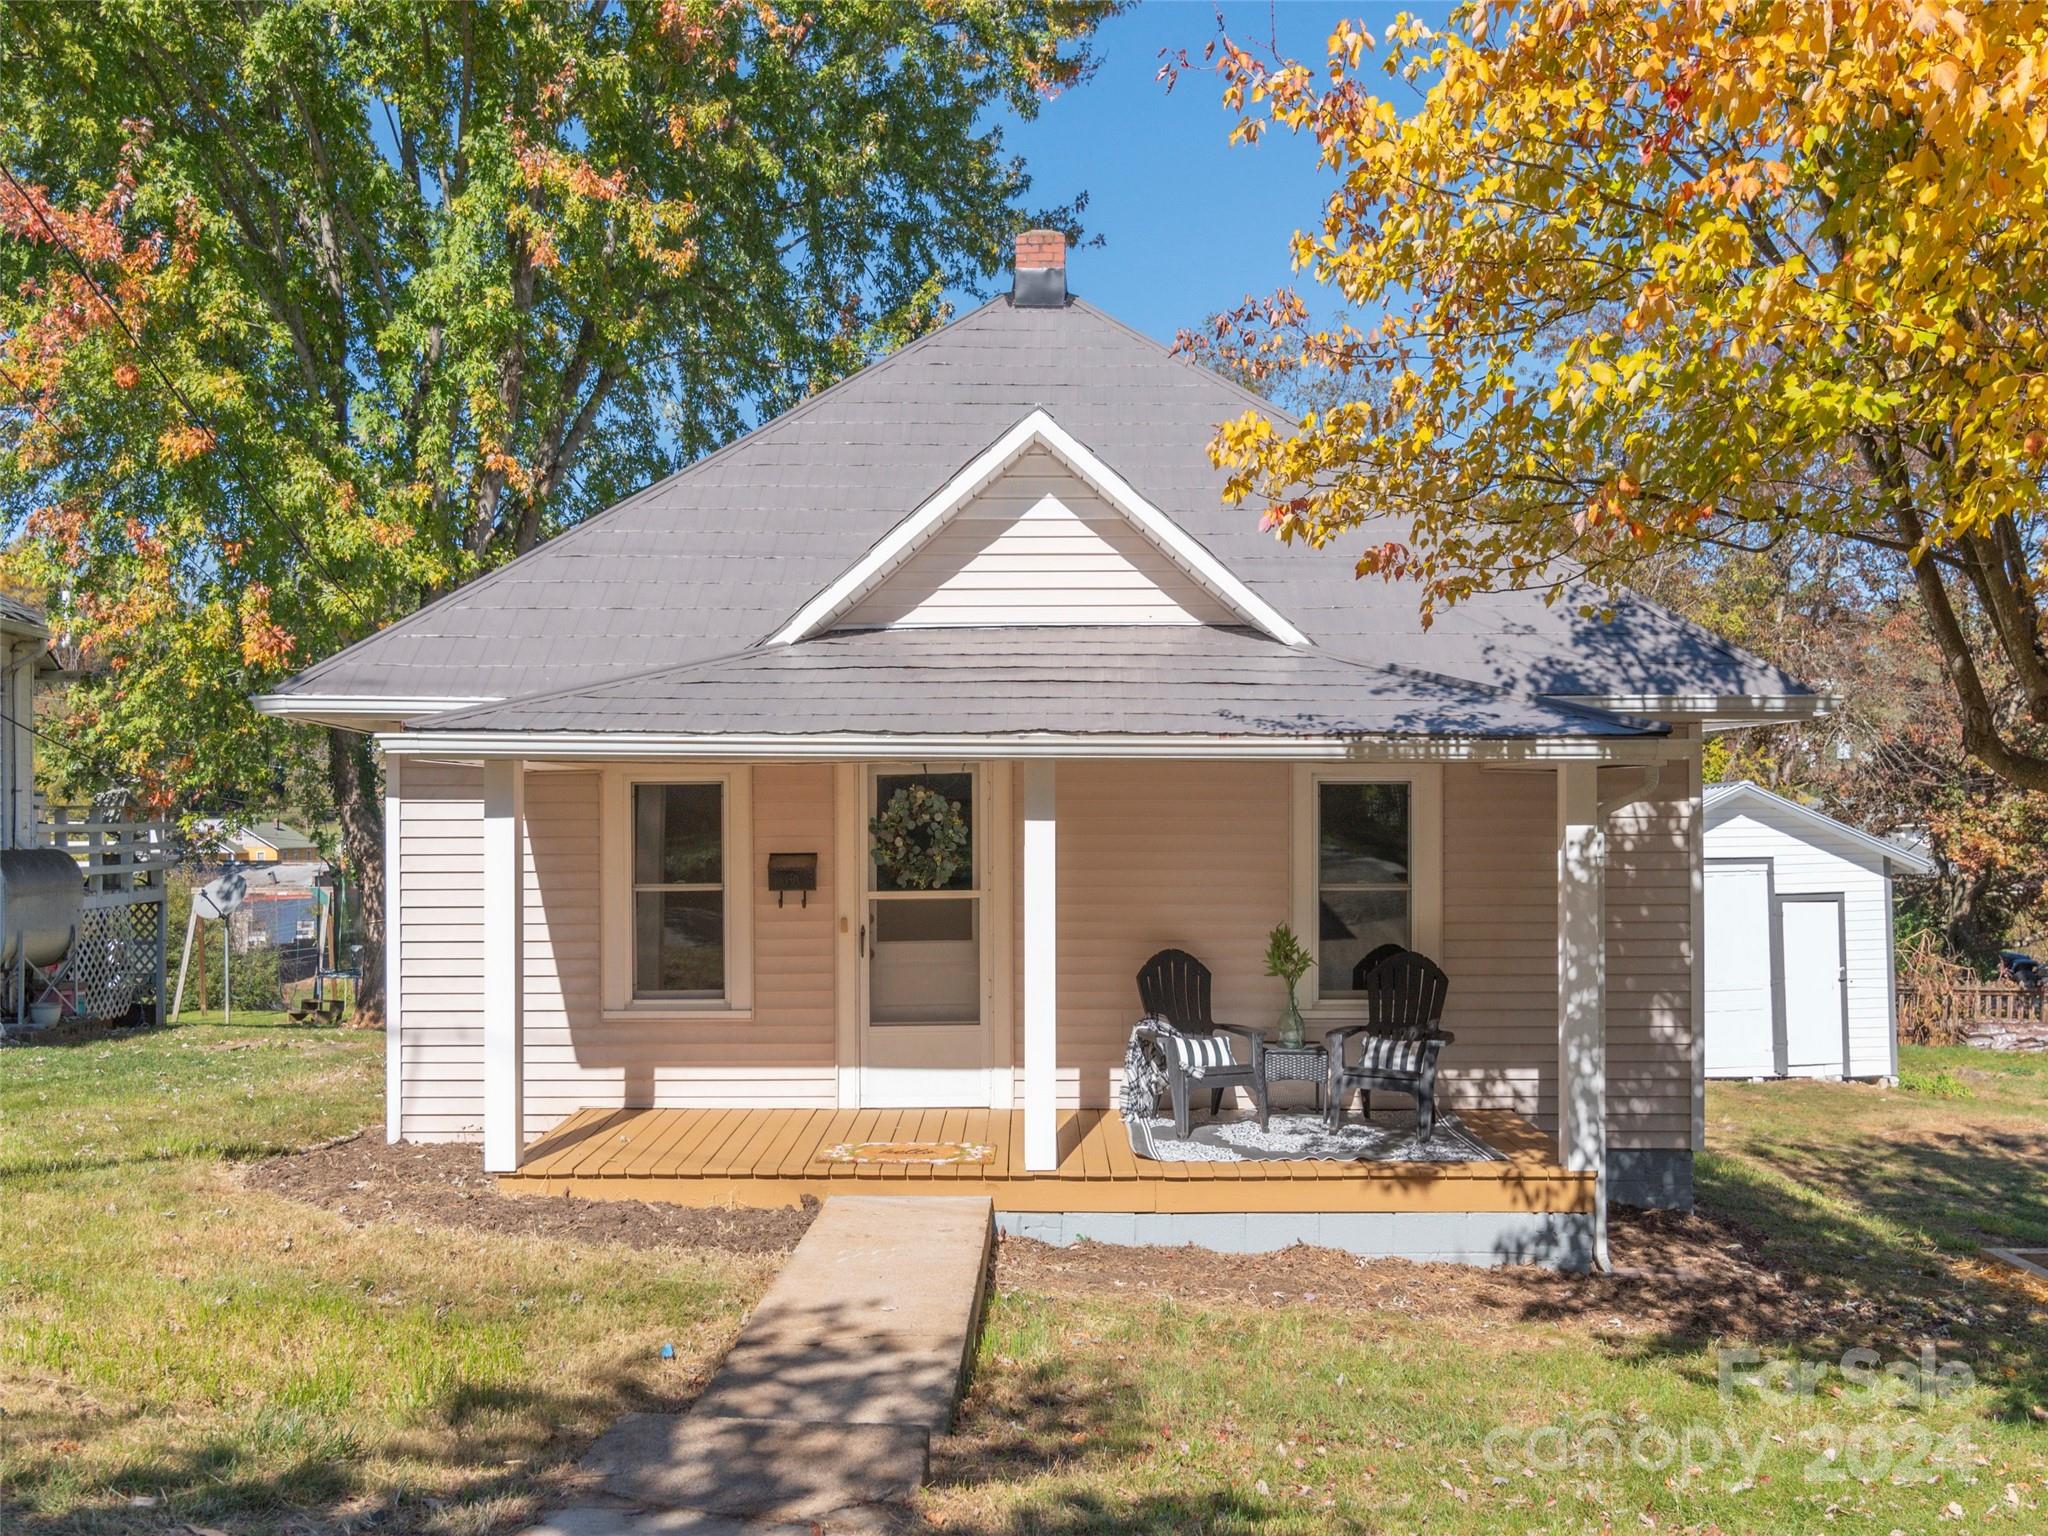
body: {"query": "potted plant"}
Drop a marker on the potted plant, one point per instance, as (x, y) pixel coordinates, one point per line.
(1289, 959)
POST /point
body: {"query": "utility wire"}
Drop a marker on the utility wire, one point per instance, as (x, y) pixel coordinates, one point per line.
(192, 413)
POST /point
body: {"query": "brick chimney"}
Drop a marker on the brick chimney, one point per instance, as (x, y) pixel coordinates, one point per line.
(1039, 277)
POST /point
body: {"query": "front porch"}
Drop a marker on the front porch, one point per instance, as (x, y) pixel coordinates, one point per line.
(766, 1157)
(525, 1009)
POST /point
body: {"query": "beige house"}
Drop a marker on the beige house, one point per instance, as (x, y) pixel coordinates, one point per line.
(263, 842)
(653, 934)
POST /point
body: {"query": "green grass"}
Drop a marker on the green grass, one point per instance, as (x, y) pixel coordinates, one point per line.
(1117, 1414)
(253, 1365)
(249, 1363)
(1846, 1176)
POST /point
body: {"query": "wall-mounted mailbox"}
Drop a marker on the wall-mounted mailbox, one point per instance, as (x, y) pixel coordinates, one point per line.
(792, 872)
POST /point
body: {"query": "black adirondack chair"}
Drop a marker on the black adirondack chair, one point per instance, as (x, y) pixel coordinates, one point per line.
(1400, 1040)
(1365, 967)
(1173, 987)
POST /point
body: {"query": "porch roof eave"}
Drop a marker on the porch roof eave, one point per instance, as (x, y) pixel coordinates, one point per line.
(1645, 746)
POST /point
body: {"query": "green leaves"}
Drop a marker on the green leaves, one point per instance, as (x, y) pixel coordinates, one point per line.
(1680, 272)
(405, 288)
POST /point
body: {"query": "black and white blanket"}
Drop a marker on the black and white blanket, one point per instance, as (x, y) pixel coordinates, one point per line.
(1289, 1135)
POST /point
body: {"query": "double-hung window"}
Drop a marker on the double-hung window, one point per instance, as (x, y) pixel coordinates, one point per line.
(1367, 868)
(677, 922)
(679, 892)
(1364, 858)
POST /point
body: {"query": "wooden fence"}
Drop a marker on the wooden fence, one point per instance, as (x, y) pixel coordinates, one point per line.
(117, 959)
(1995, 1014)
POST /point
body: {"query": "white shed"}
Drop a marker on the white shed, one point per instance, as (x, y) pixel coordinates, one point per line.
(1799, 973)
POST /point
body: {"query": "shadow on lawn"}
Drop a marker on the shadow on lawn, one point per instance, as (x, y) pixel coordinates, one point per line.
(46, 1165)
(1876, 1232)
(1074, 1511)
(1016, 1424)
(1986, 1187)
(502, 1444)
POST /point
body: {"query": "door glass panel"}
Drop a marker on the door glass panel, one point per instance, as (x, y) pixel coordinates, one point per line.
(927, 962)
(924, 964)
(924, 922)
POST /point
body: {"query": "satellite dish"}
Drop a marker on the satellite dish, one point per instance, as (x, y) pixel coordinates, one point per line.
(219, 897)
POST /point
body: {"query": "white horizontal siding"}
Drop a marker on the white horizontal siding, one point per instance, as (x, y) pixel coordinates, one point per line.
(782, 1057)
(1152, 856)
(1037, 547)
(1500, 940)
(438, 928)
(1650, 957)
(1194, 855)
(1807, 860)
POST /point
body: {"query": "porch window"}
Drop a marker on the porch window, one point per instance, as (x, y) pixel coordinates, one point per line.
(679, 894)
(1364, 876)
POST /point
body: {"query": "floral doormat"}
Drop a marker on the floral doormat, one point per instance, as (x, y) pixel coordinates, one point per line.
(934, 1153)
(1389, 1138)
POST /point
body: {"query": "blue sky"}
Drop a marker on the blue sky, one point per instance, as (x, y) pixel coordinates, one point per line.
(1191, 223)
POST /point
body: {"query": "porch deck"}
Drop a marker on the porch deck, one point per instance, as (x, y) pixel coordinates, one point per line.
(770, 1157)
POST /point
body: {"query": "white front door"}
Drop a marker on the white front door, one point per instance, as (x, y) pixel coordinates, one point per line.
(1810, 931)
(923, 940)
(1741, 1037)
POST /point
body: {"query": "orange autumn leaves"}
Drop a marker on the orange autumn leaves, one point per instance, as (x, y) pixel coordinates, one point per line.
(122, 279)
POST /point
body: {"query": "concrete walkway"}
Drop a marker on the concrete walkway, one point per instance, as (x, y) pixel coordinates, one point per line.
(829, 1398)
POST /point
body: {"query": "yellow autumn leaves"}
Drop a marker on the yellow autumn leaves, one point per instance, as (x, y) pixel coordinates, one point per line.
(1630, 266)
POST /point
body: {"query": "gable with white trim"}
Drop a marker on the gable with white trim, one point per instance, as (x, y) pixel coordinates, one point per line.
(1038, 546)
(1036, 434)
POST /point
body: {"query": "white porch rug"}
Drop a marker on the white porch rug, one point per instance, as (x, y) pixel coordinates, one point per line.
(1303, 1137)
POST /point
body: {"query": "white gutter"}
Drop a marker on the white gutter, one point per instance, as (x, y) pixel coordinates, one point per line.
(1722, 711)
(615, 745)
(359, 710)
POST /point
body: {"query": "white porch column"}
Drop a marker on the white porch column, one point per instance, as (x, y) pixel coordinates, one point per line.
(1041, 968)
(503, 991)
(394, 989)
(1582, 982)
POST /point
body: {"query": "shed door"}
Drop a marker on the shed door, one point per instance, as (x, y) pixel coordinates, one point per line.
(1740, 1037)
(1816, 1008)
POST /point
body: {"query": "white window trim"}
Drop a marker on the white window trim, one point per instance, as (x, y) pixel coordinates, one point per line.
(615, 867)
(1425, 855)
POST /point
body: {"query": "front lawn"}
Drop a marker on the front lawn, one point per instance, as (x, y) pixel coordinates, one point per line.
(173, 1333)
(176, 1347)
(1291, 1394)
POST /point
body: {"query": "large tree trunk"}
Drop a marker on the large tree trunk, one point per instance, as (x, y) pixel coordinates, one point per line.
(358, 797)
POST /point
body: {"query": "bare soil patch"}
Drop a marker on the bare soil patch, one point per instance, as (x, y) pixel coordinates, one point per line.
(1674, 1274)
(441, 1184)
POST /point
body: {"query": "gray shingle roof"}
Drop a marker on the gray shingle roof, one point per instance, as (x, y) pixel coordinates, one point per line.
(1167, 680)
(712, 560)
(20, 617)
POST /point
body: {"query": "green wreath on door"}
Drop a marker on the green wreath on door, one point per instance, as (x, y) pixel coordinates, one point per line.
(920, 839)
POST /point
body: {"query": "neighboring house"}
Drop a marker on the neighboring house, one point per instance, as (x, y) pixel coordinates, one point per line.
(105, 953)
(280, 905)
(24, 651)
(263, 842)
(1800, 976)
(998, 562)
